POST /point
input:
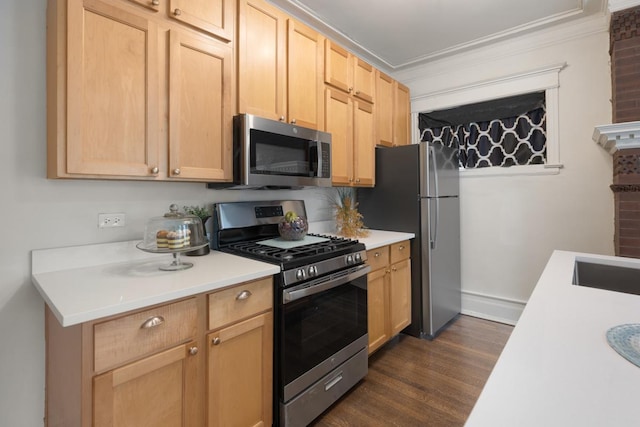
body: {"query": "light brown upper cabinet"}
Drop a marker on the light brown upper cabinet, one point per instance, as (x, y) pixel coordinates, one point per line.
(348, 73)
(132, 94)
(350, 122)
(393, 110)
(279, 66)
(212, 16)
(401, 115)
(200, 112)
(384, 109)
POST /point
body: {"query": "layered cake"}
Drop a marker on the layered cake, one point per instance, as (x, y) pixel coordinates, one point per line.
(175, 239)
(161, 239)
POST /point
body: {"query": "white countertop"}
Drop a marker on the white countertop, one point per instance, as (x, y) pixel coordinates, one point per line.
(557, 368)
(378, 238)
(84, 283)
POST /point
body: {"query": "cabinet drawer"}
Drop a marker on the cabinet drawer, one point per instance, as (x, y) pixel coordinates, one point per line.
(240, 302)
(400, 251)
(129, 337)
(378, 258)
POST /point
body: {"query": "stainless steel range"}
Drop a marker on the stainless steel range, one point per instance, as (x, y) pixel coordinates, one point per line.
(320, 308)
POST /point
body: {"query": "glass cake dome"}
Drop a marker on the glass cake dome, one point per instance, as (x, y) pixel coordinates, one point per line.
(174, 233)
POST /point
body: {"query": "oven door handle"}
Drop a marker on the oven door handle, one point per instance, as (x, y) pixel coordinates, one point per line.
(289, 295)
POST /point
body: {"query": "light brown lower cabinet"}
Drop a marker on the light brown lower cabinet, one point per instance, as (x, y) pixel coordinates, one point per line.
(240, 374)
(155, 391)
(205, 360)
(388, 292)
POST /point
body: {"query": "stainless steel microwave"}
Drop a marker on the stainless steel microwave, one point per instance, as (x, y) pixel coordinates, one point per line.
(269, 153)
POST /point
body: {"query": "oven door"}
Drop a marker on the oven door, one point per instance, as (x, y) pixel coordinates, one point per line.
(323, 323)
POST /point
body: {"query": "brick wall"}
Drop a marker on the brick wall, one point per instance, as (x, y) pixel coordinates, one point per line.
(625, 82)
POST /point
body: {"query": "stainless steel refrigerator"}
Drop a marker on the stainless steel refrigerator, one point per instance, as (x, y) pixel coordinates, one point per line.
(417, 190)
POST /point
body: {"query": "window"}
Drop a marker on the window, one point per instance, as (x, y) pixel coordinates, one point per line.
(545, 79)
(504, 132)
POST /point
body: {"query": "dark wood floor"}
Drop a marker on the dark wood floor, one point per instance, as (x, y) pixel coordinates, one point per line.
(417, 382)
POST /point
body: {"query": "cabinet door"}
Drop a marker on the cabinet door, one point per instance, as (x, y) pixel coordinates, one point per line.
(364, 80)
(240, 374)
(200, 108)
(338, 122)
(304, 75)
(213, 16)
(377, 312)
(112, 94)
(364, 149)
(337, 66)
(156, 391)
(384, 109)
(401, 115)
(400, 296)
(262, 60)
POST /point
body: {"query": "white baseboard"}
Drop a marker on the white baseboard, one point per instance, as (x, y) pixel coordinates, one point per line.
(497, 309)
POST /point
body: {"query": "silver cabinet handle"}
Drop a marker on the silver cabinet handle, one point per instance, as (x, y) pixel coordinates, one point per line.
(377, 254)
(243, 295)
(216, 341)
(350, 89)
(155, 170)
(357, 92)
(176, 171)
(281, 118)
(193, 350)
(177, 12)
(155, 2)
(293, 122)
(152, 322)
(401, 247)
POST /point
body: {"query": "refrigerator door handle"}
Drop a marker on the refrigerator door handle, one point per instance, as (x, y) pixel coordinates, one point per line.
(432, 158)
(434, 233)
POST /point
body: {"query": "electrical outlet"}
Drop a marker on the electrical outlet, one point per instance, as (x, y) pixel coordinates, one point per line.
(109, 220)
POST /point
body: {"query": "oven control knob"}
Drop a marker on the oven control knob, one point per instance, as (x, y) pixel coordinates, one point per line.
(358, 257)
(300, 274)
(349, 259)
(312, 271)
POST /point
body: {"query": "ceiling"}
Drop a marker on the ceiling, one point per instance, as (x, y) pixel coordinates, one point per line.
(400, 34)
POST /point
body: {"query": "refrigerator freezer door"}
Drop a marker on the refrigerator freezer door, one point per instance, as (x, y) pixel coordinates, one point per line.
(441, 265)
(441, 176)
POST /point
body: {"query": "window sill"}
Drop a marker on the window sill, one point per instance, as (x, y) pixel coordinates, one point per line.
(511, 171)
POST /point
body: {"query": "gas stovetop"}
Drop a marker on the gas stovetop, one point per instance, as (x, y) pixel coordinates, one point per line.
(297, 256)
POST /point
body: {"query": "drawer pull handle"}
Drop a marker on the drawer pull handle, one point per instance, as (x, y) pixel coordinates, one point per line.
(216, 341)
(193, 350)
(243, 295)
(152, 322)
(377, 254)
(401, 247)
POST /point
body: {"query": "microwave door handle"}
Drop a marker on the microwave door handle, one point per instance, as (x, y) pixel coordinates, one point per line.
(295, 294)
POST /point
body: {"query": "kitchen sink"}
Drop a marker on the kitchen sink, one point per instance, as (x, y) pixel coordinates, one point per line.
(611, 277)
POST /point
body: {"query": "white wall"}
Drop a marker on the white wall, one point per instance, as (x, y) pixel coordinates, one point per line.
(38, 213)
(511, 224)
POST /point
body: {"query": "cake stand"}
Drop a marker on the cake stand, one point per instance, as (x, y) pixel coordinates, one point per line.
(176, 262)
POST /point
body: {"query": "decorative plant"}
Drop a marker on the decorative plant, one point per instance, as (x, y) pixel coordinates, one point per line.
(201, 212)
(348, 220)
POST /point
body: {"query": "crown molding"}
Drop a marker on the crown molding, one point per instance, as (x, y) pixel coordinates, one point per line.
(524, 43)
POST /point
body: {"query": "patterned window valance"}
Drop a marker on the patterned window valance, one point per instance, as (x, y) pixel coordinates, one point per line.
(506, 132)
